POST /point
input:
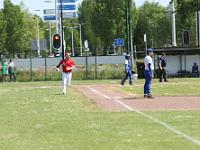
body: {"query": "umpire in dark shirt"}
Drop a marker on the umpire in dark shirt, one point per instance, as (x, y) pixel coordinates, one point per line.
(162, 68)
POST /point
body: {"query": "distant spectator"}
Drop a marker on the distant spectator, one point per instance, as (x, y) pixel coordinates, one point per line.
(4, 70)
(11, 68)
(195, 70)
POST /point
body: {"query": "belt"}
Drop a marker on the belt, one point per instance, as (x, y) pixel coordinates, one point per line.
(67, 72)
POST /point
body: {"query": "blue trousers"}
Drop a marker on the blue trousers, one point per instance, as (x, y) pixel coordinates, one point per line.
(127, 75)
(147, 85)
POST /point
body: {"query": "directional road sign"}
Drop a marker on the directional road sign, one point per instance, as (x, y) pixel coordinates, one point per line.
(70, 14)
(49, 11)
(119, 42)
(50, 17)
(67, 1)
(67, 7)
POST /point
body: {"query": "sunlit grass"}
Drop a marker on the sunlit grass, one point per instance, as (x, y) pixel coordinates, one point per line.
(177, 86)
(35, 116)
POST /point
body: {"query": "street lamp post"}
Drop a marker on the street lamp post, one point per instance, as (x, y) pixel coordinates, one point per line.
(38, 36)
(81, 47)
(50, 40)
(72, 41)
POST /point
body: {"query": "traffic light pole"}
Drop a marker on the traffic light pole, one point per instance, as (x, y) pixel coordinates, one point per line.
(62, 36)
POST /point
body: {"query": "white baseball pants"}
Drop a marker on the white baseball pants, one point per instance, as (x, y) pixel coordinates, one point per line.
(66, 81)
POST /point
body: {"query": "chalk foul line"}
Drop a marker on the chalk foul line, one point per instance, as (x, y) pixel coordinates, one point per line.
(167, 126)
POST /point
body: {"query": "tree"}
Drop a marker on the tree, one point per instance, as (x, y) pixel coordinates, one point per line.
(13, 17)
(19, 28)
(152, 20)
(104, 21)
(85, 18)
(186, 10)
(3, 33)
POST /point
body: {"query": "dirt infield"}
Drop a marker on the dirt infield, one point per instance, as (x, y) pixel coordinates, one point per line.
(105, 97)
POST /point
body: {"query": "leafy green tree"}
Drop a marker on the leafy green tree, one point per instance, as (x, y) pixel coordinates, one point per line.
(20, 28)
(104, 21)
(27, 32)
(154, 21)
(13, 17)
(85, 17)
(3, 33)
(186, 10)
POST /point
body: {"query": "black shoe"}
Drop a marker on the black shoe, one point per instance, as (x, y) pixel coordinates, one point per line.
(145, 96)
(150, 96)
(166, 81)
(122, 83)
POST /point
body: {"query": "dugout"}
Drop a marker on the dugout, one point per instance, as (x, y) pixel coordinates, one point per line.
(179, 60)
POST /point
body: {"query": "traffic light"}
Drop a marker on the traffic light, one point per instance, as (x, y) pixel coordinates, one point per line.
(56, 41)
(186, 38)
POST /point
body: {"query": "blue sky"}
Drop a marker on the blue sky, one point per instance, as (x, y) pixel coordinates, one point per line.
(33, 5)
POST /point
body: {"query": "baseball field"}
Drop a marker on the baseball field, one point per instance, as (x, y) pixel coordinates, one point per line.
(101, 115)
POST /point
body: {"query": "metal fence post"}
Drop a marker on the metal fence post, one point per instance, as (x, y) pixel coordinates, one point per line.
(45, 66)
(95, 63)
(31, 67)
(86, 63)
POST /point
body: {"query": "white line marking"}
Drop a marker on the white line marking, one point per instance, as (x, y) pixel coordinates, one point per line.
(93, 90)
(167, 126)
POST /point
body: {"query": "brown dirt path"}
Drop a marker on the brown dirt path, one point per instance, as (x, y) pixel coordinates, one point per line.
(105, 95)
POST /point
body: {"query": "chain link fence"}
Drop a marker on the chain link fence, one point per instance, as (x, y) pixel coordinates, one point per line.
(28, 67)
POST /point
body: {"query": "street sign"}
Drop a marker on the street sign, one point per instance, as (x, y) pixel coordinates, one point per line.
(50, 17)
(70, 14)
(119, 42)
(49, 11)
(67, 7)
(67, 1)
(145, 37)
(86, 44)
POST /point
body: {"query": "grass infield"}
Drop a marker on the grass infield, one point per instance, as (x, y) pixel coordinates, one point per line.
(33, 116)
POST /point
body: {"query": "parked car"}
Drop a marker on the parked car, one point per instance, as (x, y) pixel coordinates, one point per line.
(57, 54)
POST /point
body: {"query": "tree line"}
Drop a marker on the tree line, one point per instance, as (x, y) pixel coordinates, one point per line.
(102, 21)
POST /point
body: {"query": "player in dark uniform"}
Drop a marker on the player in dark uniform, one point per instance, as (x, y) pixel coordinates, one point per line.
(162, 68)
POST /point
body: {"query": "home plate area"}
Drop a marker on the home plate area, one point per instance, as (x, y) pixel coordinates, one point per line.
(106, 98)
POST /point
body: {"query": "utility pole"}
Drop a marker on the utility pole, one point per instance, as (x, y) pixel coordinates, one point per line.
(72, 41)
(81, 47)
(197, 26)
(130, 32)
(173, 23)
(50, 40)
(38, 36)
(127, 26)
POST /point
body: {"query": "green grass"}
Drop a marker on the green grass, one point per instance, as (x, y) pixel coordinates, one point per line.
(33, 117)
(175, 87)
